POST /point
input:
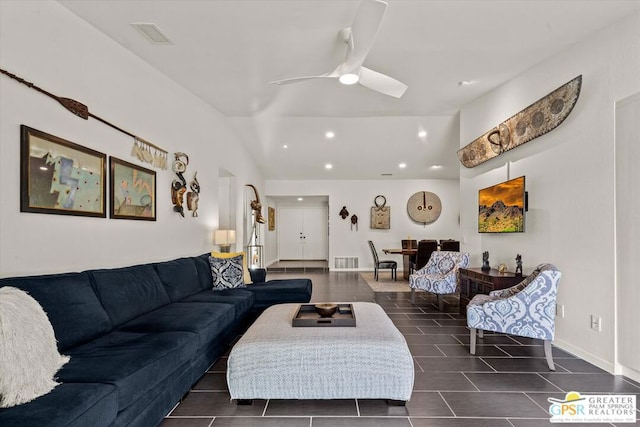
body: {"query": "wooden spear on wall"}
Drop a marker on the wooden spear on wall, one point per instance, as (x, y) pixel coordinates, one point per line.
(79, 109)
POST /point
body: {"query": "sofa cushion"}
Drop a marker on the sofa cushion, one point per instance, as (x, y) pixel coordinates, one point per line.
(29, 356)
(139, 286)
(204, 270)
(227, 272)
(246, 275)
(134, 362)
(70, 405)
(241, 299)
(280, 291)
(206, 319)
(179, 277)
(73, 308)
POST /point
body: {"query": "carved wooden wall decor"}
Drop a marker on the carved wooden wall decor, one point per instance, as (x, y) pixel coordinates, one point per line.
(541, 117)
(380, 214)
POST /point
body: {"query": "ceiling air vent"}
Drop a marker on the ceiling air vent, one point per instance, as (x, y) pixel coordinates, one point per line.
(151, 32)
(386, 174)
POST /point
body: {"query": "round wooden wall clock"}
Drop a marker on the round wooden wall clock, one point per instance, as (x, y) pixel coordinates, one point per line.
(424, 207)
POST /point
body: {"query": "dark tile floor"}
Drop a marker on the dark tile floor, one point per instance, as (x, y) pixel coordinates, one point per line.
(506, 384)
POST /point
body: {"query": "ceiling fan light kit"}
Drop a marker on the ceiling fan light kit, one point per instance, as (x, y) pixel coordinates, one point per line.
(349, 78)
(359, 39)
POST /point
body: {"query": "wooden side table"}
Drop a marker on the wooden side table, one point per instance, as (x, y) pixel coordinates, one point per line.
(475, 281)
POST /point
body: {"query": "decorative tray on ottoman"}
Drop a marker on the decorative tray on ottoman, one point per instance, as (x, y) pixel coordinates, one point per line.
(307, 315)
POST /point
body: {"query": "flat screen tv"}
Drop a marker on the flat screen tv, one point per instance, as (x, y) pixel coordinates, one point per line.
(501, 207)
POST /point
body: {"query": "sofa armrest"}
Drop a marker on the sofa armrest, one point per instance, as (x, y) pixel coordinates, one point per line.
(258, 275)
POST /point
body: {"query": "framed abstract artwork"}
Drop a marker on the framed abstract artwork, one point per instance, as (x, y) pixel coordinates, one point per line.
(60, 177)
(132, 192)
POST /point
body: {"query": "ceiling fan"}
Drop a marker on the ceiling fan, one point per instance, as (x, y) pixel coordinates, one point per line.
(359, 39)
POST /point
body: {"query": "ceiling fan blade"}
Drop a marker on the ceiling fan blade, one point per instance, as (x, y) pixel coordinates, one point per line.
(381, 83)
(363, 32)
(331, 75)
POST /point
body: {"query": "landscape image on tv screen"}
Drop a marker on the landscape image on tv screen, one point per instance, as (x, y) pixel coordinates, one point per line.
(501, 207)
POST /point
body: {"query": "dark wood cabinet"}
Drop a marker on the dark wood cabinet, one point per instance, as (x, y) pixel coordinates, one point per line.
(475, 281)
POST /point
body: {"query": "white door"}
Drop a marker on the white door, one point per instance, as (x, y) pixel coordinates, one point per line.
(303, 233)
(290, 234)
(315, 228)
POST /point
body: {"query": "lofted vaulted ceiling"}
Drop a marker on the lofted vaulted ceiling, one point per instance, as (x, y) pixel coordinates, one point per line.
(226, 52)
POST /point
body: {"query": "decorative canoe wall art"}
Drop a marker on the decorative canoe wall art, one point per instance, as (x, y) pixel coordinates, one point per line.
(537, 119)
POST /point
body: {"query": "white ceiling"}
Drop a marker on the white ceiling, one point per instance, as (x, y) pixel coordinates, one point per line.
(226, 52)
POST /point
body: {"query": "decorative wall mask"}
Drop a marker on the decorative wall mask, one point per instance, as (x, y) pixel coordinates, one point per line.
(256, 206)
(179, 186)
(537, 119)
(424, 207)
(354, 222)
(344, 213)
(380, 214)
(193, 196)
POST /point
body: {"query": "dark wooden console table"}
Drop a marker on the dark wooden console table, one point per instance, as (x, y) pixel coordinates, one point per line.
(475, 281)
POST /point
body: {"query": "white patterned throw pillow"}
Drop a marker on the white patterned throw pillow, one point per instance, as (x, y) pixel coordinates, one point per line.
(227, 272)
(29, 356)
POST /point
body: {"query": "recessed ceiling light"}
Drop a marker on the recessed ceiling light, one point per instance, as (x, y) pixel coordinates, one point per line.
(349, 79)
(329, 134)
(328, 166)
(151, 32)
(436, 167)
(300, 199)
(422, 134)
(465, 83)
(402, 165)
(285, 146)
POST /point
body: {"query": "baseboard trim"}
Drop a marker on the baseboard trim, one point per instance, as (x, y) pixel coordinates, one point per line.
(586, 356)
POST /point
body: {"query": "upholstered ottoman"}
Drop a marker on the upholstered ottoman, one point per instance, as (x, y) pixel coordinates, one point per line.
(274, 360)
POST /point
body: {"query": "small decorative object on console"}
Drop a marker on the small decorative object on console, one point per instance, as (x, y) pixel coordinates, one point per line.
(485, 261)
(518, 265)
(502, 268)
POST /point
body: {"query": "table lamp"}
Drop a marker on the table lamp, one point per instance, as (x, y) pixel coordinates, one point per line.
(224, 239)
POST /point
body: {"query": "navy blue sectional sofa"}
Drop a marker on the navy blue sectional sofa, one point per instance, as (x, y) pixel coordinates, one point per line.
(139, 337)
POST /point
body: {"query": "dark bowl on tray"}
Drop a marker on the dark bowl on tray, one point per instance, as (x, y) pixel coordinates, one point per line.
(326, 309)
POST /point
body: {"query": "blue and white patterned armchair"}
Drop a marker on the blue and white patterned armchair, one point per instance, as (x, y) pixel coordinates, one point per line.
(440, 276)
(527, 309)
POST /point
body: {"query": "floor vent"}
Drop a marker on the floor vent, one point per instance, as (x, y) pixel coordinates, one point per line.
(341, 262)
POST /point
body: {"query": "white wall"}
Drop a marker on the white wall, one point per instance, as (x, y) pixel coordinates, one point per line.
(49, 46)
(570, 179)
(358, 197)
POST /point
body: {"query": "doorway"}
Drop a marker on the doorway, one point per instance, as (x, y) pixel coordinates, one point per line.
(302, 233)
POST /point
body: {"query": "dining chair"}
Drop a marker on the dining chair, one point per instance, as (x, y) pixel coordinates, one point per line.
(425, 249)
(410, 244)
(450, 245)
(382, 265)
